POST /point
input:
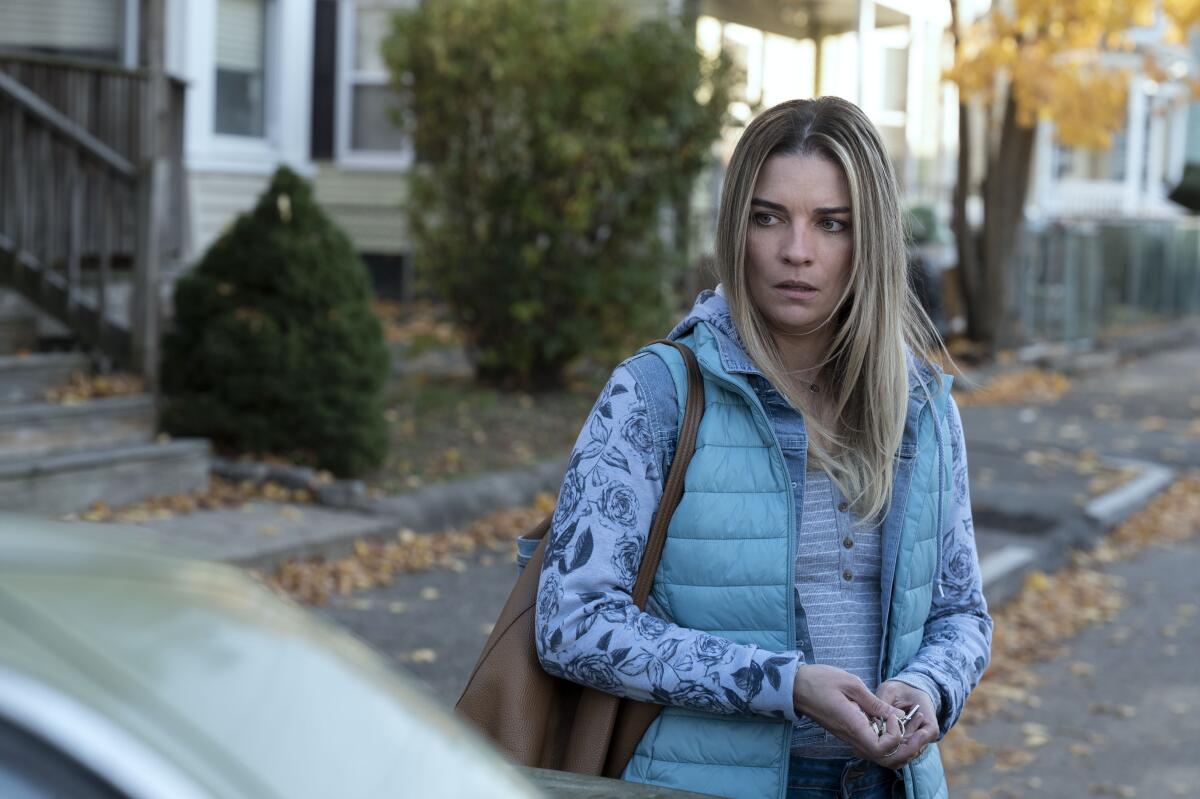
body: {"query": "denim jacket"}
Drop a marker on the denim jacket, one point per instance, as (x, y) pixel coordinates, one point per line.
(589, 630)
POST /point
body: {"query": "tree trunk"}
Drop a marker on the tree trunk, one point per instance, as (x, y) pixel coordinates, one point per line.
(1003, 213)
(969, 278)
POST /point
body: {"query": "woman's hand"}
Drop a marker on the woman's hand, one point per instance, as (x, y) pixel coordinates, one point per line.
(919, 731)
(842, 704)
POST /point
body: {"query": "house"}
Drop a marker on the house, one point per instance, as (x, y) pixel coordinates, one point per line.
(302, 82)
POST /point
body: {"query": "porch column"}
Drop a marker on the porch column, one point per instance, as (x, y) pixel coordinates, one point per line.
(1135, 147)
(866, 25)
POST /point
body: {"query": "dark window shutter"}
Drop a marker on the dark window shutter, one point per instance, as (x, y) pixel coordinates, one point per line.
(324, 83)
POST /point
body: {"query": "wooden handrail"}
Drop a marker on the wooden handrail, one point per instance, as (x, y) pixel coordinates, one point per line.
(70, 62)
(66, 128)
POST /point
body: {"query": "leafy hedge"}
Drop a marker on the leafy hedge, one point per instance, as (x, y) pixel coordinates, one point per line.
(551, 138)
(275, 348)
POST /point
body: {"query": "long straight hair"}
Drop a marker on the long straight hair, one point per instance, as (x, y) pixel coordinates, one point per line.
(876, 320)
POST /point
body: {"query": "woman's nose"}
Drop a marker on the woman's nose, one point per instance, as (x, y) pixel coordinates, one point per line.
(797, 246)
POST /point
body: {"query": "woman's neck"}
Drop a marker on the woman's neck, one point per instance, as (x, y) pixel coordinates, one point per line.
(804, 356)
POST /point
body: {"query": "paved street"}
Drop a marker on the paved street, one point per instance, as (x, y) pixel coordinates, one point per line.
(443, 612)
(1121, 708)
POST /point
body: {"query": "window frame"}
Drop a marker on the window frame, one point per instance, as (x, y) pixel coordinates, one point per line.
(345, 155)
(126, 53)
(94, 741)
(237, 143)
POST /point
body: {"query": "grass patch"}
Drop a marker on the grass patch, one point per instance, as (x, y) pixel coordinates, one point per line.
(449, 427)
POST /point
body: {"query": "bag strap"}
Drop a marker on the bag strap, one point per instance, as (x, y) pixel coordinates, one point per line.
(689, 430)
(595, 746)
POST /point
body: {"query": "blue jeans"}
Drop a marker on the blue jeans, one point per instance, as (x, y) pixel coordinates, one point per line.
(813, 778)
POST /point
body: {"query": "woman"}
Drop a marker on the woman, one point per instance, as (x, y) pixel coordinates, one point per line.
(820, 571)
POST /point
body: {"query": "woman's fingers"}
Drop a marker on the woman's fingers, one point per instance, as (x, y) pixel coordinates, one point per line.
(920, 731)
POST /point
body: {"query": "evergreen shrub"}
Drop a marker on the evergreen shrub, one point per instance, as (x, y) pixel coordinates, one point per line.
(275, 348)
(554, 139)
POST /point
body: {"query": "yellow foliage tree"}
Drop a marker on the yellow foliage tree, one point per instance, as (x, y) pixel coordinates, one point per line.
(1066, 61)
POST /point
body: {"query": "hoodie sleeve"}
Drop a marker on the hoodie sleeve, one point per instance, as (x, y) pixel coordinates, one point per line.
(588, 628)
(956, 647)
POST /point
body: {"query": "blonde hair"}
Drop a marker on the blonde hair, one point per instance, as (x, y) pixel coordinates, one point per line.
(878, 316)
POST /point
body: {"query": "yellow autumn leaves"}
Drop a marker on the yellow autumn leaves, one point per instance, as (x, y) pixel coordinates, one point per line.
(1069, 61)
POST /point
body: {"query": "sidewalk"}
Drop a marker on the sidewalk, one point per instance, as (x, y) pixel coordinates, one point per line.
(1031, 467)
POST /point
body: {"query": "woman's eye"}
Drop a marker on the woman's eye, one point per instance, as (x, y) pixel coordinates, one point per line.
(833, 225)
(764, 220)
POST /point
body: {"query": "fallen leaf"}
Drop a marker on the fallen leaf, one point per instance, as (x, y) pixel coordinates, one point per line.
(422, 656)
(1081, 669)
(1035, 735)
(430, 593)
(1010, 759)
(1079, 750)
(290, 513)
(1037, 581)
(397, 607)
(1019, 386)
(269, 529)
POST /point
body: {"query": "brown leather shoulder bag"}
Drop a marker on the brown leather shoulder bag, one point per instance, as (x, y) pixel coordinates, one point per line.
(539, 719)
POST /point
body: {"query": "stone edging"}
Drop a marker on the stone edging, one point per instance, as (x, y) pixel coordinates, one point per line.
(436, 506)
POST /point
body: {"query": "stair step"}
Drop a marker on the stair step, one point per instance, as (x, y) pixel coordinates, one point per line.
(18, 334)
(43, 428)
(66, 483)
(26, 378)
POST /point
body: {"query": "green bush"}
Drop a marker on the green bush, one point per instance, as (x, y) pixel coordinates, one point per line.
(552, 137)
(1187, 192)
(275, 348)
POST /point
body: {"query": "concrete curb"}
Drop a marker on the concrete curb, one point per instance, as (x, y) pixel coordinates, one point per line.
(1003, 572)
(1079, 358)
(338, 494)
(331, 532)
(458, 502)
(1112, 508)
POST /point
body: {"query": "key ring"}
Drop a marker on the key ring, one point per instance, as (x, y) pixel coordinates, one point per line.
(880, 725)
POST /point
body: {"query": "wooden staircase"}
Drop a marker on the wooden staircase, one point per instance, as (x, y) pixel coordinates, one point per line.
(58, 458)
(91, 208)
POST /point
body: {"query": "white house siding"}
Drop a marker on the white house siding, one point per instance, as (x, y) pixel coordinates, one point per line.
(226, 173)
(216, 200)
(62, 25)
(367, 206)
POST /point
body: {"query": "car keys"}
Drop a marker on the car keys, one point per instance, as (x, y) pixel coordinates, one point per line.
(880, 725)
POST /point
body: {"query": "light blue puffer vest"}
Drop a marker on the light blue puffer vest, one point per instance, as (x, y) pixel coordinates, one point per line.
(727, 568)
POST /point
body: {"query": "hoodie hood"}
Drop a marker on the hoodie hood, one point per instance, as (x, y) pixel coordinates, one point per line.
(712, 309)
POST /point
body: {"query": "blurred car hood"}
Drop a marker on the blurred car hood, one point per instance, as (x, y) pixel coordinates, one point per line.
(242, 690)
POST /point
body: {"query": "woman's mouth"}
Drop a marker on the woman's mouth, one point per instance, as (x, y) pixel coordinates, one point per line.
(796, 290)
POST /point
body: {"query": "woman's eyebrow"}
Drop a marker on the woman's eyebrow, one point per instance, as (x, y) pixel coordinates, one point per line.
(768, 204)
(841, 209)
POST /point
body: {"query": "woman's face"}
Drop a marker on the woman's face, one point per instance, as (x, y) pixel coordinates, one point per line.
(798, 242)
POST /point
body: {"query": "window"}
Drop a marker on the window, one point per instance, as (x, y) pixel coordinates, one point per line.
(1076, 163)
(32, 769)
(241, 56)
(368, 101)
(895, 79)
(87, 28)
